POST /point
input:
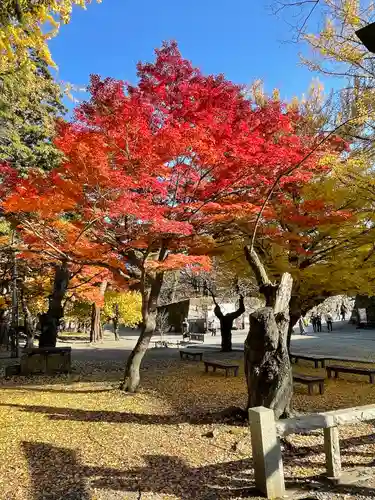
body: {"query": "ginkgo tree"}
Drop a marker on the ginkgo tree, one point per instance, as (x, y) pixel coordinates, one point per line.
(155, 173)
(122, 308)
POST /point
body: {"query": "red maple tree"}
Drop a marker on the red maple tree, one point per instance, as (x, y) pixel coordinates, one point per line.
(151, 170)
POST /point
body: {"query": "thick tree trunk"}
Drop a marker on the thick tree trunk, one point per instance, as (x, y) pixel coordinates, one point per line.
(49, 321)
(226, 334)
(226, 323)
(132, 370)
(29, 326)
(267, 365)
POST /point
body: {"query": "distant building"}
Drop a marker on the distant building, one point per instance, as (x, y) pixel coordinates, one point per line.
(200, 310)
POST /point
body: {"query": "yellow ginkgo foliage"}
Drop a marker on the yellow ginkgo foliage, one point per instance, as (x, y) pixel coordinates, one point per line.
(123, 307)
(28, 25)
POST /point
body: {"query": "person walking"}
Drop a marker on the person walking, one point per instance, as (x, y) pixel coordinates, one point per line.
(185, 328)
(343, 311)
(329, 321)
(301, 326)
(211, 328)
(318, 323)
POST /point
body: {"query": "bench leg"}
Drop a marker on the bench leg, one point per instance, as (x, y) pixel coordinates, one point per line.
(329, 373)
(214, 368)
(181, 355)
(336, 374)
(372, 378)
(236, 372)
(321, 387)
(200, 357)
(310, 389)
(206, 368)
(323, 363)
(316, 363)
(226, 372)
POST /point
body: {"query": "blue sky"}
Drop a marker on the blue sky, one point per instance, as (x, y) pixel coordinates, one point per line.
(240, 38)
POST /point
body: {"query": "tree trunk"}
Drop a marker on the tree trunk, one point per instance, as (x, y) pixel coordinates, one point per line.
(149, 312)
(115, 320)
(29, 327)
(96, 330)
(226, 334)
(226, 323)
(49, 321)
(267, 365)
(132, 370)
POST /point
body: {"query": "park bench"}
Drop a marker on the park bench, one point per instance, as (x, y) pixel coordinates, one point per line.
(309, 357)
(191, 353)
(197, 336)
(336, 369)
(46, 360)
(311, 382)
(222, 365)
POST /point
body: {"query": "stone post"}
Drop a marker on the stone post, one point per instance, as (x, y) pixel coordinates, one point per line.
(332, 451)
(268, 465)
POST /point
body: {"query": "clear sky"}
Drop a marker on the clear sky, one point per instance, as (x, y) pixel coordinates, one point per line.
(240, 38)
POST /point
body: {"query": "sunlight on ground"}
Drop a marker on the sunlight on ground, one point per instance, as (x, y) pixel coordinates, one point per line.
(80, 436)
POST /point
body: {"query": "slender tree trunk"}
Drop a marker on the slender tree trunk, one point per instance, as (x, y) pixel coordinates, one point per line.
(149, 312)
(267, 365)
(29, 327)
(96, 330)
(95, 324)
(132, 370)
(115, 320)
(49, 321)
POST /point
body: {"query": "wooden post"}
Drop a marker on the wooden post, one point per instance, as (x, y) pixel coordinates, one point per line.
(268, 465)
(332, 451)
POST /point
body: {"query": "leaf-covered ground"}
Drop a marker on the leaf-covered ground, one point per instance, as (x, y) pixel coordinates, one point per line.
(78, 438)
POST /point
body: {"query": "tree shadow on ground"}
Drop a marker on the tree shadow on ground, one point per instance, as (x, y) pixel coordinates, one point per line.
(57, 473)
(78, 415)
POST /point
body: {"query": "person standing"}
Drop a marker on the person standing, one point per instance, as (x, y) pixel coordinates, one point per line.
(329, 321)
(313, 322)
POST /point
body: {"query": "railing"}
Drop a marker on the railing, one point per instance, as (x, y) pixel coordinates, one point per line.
(265, 434)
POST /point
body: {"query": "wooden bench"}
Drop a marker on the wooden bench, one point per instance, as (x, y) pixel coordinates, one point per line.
(197, 336)
(309, 357)
(191, 353)
(222, 365)
(336, 369)
(311, 382)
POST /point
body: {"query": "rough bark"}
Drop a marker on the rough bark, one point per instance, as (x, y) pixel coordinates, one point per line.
(132, 376)
(150, 295)
(96, 330)
(115, 320)
(226, 324)
(28, 322)
(49, 321)
(267, 365)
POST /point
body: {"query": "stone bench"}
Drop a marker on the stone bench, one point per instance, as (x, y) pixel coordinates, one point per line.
(336, 369)
(222, 365)
(309, 357)
(191, 353)
(197, 336)
(48, 360)
(311, 382)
